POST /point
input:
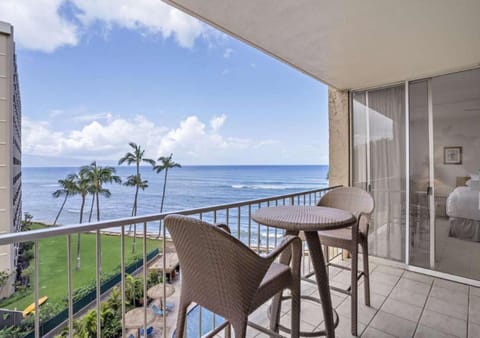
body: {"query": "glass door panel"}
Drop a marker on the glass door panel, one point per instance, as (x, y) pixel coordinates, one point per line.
(386, 112)
(456, 160)
(379, 165)
(419, 240)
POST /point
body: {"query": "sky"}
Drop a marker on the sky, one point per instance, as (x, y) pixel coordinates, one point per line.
(96, 75)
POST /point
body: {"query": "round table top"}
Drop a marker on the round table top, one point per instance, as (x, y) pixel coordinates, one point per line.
(156, 291)
(134, 318)
(303, 218)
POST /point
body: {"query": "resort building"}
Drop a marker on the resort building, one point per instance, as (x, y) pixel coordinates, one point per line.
(10, 152)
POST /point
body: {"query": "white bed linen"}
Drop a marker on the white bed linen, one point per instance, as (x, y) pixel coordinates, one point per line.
(463, 202)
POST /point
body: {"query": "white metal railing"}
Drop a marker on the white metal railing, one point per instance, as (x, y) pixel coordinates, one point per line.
(236, 215)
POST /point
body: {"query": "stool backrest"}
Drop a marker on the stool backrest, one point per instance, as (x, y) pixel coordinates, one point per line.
(218, 271)
(351, 199)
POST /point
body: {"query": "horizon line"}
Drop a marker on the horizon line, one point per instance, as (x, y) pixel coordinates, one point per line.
(185, 165)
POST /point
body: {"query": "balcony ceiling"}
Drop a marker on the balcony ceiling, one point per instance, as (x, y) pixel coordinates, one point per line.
(351, 44)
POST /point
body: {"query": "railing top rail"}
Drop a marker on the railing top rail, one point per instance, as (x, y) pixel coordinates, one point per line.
(32, 235)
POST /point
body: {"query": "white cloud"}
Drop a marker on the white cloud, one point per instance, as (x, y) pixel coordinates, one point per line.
(149, 16)
(106, 139)
(217, 122)
(227, 53)
(93, 117)
(38, 25)
(93, 140)
(193, 142)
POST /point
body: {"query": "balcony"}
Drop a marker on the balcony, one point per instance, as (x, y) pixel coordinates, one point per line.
(404, 303)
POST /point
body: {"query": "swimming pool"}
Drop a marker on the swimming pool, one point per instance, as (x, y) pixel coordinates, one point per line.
(193, 318)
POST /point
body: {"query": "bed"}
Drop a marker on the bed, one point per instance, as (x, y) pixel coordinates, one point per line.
(463, 210)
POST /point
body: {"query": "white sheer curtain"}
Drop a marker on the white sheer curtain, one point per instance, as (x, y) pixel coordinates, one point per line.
(360, 141)
(382, 149)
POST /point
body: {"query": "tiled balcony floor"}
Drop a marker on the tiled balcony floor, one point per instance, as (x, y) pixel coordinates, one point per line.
(403, 304)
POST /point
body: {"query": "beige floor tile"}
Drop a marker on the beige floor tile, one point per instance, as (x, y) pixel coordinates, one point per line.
(311, 312)
(304, 326)
(414, 286)
(371, 332)
(443, 323)
(344, 328)
(418, 277)
(344, 277)
(474, 309)
(442, 283)
(381, 288)
(427, 332)
(376, 300)
(396, 326)
(473, 330)
(474, 291)
(446, 308)
(339, 284)
(307, 288)
(260, 316)
(449, 295)
(336, 297)
(384, 278)
(389, 270)
(409, 297)
(401, 309)
(365, 313)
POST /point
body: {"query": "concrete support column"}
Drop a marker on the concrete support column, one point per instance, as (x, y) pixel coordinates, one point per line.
(339, 142)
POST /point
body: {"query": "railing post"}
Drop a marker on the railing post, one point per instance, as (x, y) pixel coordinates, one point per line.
(98, 282)
(145, 280)
(36, 290)
(122, 283)
(164, 278)
(69, 281)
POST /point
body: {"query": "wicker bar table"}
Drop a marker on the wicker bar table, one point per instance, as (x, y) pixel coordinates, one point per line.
(308, 219)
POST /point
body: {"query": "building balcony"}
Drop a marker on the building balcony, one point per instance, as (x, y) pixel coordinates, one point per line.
(403, 303)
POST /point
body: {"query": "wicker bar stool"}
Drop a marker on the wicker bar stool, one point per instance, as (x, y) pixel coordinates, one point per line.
(226, 277)
(361, 204)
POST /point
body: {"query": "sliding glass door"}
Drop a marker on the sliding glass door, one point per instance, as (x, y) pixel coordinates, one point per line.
(379, 165)
(442, 155)
(444, 163)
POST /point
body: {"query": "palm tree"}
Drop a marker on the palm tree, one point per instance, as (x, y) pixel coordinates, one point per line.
(90, 323)
(98, 176)
(137, 182)
(137, 156)
(82, 187)
(66, 189)
(165, 164)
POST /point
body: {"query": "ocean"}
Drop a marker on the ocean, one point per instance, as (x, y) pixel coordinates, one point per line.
(187, 187)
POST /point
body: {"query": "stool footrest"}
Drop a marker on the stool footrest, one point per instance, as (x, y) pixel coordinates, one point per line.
(304, 333)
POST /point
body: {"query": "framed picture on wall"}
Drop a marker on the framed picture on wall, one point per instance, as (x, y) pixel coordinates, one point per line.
(452, 155)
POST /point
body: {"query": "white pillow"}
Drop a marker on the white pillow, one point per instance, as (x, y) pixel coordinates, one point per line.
(474, 184)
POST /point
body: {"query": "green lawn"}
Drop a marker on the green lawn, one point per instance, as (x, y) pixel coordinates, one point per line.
(53, 265)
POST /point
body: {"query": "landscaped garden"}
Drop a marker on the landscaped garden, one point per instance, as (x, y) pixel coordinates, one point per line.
(53, 265)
